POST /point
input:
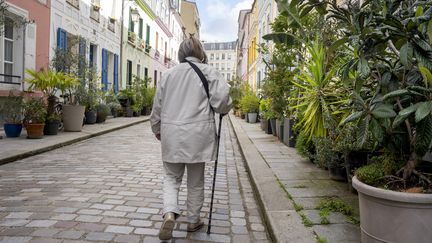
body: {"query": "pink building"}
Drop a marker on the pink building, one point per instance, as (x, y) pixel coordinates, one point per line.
(23, 46)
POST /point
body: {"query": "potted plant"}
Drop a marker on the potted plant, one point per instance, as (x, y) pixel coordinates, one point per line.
(126, 97)
(391, 104)
(73, 112)
(103, 111)
(12, 111)
(47, 81)
(266, 114)
(34, 117)
(250, 106)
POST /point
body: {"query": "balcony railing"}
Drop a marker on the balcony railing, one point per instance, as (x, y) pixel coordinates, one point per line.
(10, 79)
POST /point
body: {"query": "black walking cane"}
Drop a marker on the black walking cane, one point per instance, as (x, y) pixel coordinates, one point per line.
(214, 174)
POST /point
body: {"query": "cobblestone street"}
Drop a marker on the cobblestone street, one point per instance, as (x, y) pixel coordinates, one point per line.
(109, 189)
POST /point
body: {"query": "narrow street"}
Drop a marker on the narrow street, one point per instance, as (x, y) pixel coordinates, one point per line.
(108, 189)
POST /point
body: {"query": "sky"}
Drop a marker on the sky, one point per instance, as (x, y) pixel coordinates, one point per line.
(219, 18)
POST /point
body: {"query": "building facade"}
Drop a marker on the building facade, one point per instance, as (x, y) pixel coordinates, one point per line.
(253, 46)
(95, 32)
(190, 16)
(223, 57)
(243, 45)
(23, 42)
(152, 33)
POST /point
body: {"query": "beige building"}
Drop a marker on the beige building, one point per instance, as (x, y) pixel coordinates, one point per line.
(190, 16)
(223, 57)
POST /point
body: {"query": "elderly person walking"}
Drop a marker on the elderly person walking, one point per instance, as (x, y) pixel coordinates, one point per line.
(183, 120)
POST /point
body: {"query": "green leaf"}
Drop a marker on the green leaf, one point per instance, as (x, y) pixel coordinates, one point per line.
(335, 45)
(423, 110)
(406, 55)
(423, 44)
(354, 116)
(399, 119)
(409, 110)
(377, 130)
(419, 11)
(363, 68)
(384, 111)
(281, 38)
(363, 131)
(423, 136)
(429, 30)
(396, 93)
(427, 76)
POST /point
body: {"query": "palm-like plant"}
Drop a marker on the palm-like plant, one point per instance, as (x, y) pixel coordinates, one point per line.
(320, 93)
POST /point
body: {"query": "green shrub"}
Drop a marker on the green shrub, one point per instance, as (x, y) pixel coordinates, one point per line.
(249, 104)
(370, 174)
(265, 109)
(305, 147)
(103, 110)
(35, 111)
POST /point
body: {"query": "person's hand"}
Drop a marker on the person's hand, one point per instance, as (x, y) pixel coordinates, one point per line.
(158, 136)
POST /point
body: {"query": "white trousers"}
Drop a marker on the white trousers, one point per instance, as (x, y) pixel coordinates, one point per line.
(195, 188)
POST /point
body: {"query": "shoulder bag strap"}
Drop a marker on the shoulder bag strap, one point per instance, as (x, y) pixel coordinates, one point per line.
(203, 80)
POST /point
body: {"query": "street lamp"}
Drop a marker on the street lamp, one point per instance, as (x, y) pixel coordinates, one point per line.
(135, 15)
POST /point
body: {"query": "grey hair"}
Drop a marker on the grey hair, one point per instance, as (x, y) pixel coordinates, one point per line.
(191, 47)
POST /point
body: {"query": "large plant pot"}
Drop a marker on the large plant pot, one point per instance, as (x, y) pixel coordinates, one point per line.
(73, 116)
(389, 216)
(337, 173)
(143, 111)
(289, 137)
(35, 131)
(114, 112)
(265, 124)
(128, 112)
(12, 130)
(51, 128)
(273, 126)
(279, 129)
(252, 117)
(100, 118)
(90, 117)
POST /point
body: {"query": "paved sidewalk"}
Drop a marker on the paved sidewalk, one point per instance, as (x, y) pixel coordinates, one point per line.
(272, 166)
(108, 189)
(12, 149)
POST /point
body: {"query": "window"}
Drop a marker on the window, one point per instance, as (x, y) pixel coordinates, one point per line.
(217, 56)
(146, 72)
(155, 77)
(229, 56)
(228, 67)
(131, 26)
(223, 75)
(212, 56)
(92, 55)
(8, 61)
(217, 66)
(223, 56)
(228, 76)
(223, 66)
(138, 71)
(129, 72)
(157, 40)
(140, 28)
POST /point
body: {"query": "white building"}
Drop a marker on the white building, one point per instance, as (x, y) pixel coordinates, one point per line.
(223, 56)
(152, 34)
(96, 24)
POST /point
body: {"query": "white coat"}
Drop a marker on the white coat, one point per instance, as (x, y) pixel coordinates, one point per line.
(182, 114)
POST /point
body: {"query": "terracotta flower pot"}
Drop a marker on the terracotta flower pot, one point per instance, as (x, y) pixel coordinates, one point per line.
(35, 131)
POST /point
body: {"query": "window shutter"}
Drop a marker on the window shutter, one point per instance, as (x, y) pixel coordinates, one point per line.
(116, 63)
(104, 70)
(61, 39)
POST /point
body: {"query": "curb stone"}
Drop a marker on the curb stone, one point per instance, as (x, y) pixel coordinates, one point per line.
(66, 143)
(283, 222)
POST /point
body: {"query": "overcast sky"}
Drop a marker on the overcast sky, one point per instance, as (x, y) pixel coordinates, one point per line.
(219, 18)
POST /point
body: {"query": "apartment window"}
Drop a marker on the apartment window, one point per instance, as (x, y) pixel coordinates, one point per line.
(146, 72)
(148, 35)
(229, 56)
(228, 67)
(157, 40)
(217, 66)
(131, 23)
(155, 77)
(129, 72)
(228, 76)
(212, 56)
(223, 75)
(8, 43)
(140, 28)
(138, 71)
(92, 54)
(217, 56)
(223, 56)
(223, 66)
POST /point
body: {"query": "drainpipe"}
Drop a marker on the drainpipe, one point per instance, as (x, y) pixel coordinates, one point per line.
(24, 53)
(121, 44)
